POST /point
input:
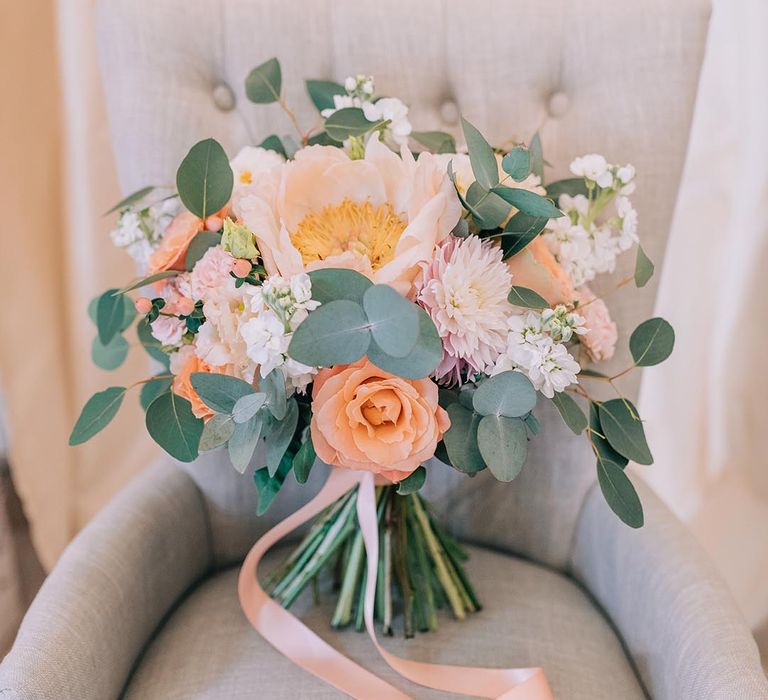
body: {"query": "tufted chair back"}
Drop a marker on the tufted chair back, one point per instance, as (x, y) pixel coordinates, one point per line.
(617, 78)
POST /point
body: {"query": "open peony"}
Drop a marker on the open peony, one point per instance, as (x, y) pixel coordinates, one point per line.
(365, 418)
(382, 215)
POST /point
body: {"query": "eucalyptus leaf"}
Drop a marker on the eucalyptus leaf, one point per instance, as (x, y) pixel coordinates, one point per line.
(537, 156)
(273, 385)
(527, 298)
(520, 230)
(132, 198)
(532, 423)
(242, 444)
(304, 460)
(393, 320)
(97, 413)
(435, 141)
(517, 163)
(280, 436)
(150, 343)
(421, 361)
(219, 392)
(322, 92)
(460, 440)
(481, 157)
(109, 315)
(273, 143)
(413, 482)
(204, 178)
(172, 425)
(216, 432)
(528, 202)
(145, 281)
(331, 284)
(643, 268)
(602, 447)
(152, 389)
(594, 374)
(198, 247)
(347, 122)
(624, 430)
(652, 342)
(571, 186)
(321, 139)
(509, 394)
(268, 487)
(264, 83)
(489, 211)
(335, 333)
(467, 395)
(572, 414)
(619, 493)
(246, 407)
(503, 443)
(461, 229)
(110, 356)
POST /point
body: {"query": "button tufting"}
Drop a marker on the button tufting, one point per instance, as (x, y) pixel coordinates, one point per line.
(223, 97)
(449, 112)
(558, 104)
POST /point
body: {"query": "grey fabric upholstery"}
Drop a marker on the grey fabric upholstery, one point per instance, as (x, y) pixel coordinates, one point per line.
(649, 601)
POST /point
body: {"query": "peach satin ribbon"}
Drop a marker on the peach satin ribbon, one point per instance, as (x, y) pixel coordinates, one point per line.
(289, 636)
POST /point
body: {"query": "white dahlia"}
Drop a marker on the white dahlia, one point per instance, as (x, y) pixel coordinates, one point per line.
(464, 289)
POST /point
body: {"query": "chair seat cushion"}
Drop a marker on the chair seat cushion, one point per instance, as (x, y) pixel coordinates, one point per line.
(533, 616)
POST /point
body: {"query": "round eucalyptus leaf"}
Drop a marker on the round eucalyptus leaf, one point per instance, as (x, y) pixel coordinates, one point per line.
(421, 361)
(322, 92)
(623, 429)
(198, 247)
(347, 122)
(97, 413)
(393, 320)
(330, 284)
(216, 432)
(517, 163)
(152, 389)
(109, 356)
(110, 313)
(264, 83)
(509, 394)
(652, 342)
(503, 443)
(219, 392)
(460, 440)
(172, 425)
(334, 334)
(619, 493)
(413, 482)
(204, 178)
(246, 407)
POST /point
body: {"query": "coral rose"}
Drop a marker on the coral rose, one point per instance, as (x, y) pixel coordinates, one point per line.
(535, 267)
(365, 418)
(184, 364)
(179, 234)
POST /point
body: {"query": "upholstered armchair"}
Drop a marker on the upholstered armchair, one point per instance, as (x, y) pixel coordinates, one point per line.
(143, 604)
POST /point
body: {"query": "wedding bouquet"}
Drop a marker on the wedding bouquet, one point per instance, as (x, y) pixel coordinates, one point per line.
(373, 297)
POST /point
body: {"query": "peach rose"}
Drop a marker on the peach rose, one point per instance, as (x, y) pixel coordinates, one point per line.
(182, 385)
(178, 235)
(535, 267)
(365, 418)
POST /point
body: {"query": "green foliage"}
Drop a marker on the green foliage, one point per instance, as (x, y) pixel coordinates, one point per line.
(322, 92)
(152, 389)
(273, 143)
(413, 482)
(435, 141)
(393, 320)
(331, 284)
(268, 487)
(246, 407)
(97, 413)
(220, 392)
(242, 444)
(520, 230)
(132, 198)
(273, 385)
(537, 156)
(643, 268)
(150, 344)
(517, 163)
(619, 493)
(481, 157)
(304, 460)
(460, 440)
(602, 447)
(216, 432)
(280, 436)
(172, 425)
(198, 247)
(571, 186)
(572, 414)
(527, 298)
(204, 178)
(110, 312)
(264, 83)
(349, 122)
(503, 444)
(652, 342)
(624, 430)
(528, 202)
(488, 209)
(110, 356)
(144, 281)
(508, 394)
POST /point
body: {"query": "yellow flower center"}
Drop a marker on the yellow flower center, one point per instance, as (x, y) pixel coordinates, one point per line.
(362, 228)
(246, 177)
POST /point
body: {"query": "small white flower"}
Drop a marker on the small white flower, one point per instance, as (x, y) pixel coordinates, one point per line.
(594, 167)
(350, 84)
(578, 203)
(393, 110)
(562, 324)
(553, 369)
(626, 173)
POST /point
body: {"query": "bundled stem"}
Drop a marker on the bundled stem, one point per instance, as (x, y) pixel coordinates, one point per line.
(420, 567)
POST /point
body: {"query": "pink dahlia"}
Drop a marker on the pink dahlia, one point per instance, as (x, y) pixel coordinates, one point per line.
(464, 289)
(600, 341)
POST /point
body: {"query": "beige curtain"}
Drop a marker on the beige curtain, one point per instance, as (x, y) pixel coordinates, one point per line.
(57, 177)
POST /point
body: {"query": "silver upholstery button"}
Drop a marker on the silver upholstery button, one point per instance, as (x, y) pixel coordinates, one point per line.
(558, 104)
(223, 97)
(449, 112)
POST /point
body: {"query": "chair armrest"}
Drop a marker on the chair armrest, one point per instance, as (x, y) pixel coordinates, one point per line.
(679, 622)
(109, 591)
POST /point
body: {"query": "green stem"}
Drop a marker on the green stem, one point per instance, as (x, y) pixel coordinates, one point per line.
(343, 613)
(401, 506)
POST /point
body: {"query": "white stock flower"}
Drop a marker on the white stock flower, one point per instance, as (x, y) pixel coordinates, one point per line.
(393, 110)
(552, 369)
(593, 167)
